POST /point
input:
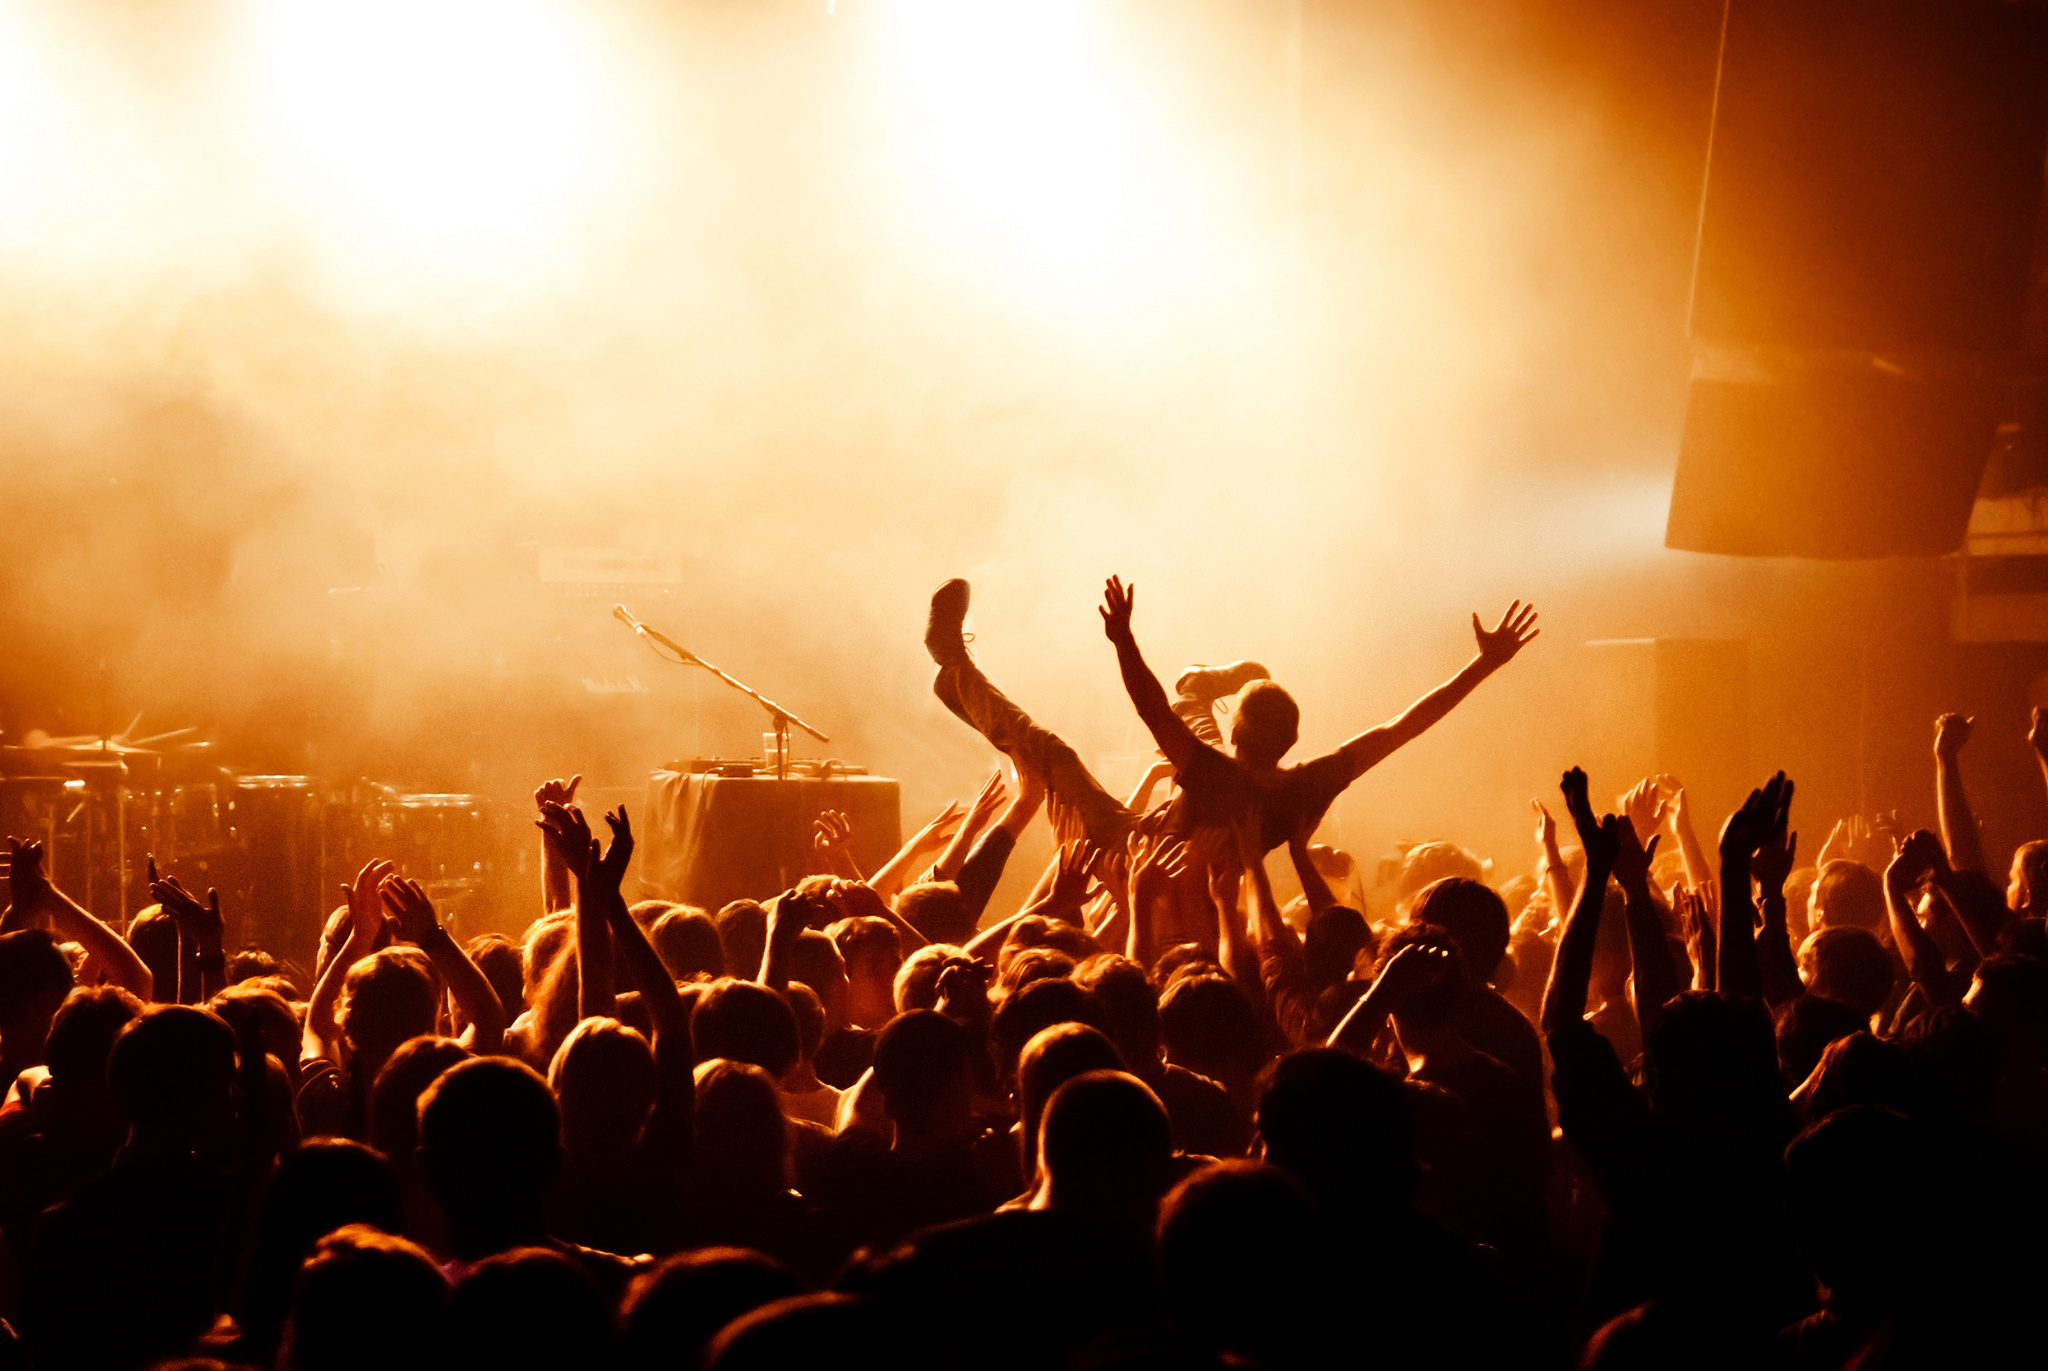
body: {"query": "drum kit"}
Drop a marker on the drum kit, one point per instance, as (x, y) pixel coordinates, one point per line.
(276, 847)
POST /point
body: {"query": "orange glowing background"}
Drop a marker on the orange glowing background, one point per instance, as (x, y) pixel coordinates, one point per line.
(1324, 323)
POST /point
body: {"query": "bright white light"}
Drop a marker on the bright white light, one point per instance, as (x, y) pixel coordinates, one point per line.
(1027, 144)
(460, 134)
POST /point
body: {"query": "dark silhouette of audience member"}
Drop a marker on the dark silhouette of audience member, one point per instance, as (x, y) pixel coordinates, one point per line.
(366, 1297)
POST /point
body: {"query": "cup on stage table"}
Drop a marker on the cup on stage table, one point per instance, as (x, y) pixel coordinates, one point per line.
(774, 747)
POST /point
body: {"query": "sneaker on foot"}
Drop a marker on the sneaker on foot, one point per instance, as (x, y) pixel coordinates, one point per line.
(1214, 682)
(942, 636)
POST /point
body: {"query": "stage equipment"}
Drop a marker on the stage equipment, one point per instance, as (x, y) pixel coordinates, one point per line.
(777, 742)
(1873, 185)
(710, 836)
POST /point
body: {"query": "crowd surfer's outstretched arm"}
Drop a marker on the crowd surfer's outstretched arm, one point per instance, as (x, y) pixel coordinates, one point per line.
(1497, 647)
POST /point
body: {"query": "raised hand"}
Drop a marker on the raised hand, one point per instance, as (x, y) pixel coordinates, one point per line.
(1631, 858)
(202, 922)
(1117, 603)
(1777, 855)
(568, 836)
(1951, 732)
(1599, 838)
(365, 904)
(1412, 968)
(1646, 808)
(1546, 827)
(26, 883)
(407, 900)
(610, 869)
(557, 792)
(1515, 631)
(1920, 857)
(1071, 874)
(1696, 922)
(1760, 820)
(832, 841)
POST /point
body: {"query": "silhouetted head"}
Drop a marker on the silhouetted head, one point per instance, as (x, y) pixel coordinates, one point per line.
(172, 1073)
(1843, 1179)
(923, 1067)
(671, 1314)
(1712, 1060)
(917, 981)
(82, 1034)
(490, 1148)
(1342, 1127)
(1436, 1001)
(938, 910)
(1266, 724)
(1848, 895)
(1049, 1060)
(1424, 864)
(1332, 942)
(366, 1297)
(808, 1331)
(742, 1138)
(746, 1022)
(497, 956)
(277, 1027)
(2027, 890)
(1126, 1008)
(603, 1079)
(153, 936)
(1474, 916)
(1039, 1005)
(319, 1186)
(395, 1096)
(2010, 993)
(530, 1309)
(1238, 1244)
(1806, 1028)
(1848, 965)
(1211, 1029)
(35, 977)
(872, 951)
(743, 933)
(688, 944)
(388, 997)
(814, 960)
(1105, 1149)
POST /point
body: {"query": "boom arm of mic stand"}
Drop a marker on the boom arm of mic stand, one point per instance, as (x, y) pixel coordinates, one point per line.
(782, 716)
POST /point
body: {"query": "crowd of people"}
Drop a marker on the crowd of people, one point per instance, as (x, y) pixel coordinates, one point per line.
(1641, 1103)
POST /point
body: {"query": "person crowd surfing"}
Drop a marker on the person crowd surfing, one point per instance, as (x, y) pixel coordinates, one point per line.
(1641, 1104)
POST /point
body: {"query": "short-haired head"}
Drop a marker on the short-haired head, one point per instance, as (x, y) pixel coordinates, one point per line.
(1266, 725)
(1473, 914)
(746, 1022)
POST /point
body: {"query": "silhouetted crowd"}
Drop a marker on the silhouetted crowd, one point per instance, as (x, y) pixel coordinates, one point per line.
(1639, 1103)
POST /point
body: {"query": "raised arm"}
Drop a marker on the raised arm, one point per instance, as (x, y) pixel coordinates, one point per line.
(105, 952)
(321, 1036)
(419, 925)
(668, 1131)
(1919, 856)
(1314, 888)
(979, 813)
(1141, 794)
(1959, 833)
(554, 876)
(1699, 872)
(1497, 647)
(983, 868)
(1571, 971)
(1168, 729)
(1777, 967)
(568, 833)
(1557, 877)
(1657, 981)
(832, 840)
(200, 928)
(895, 872)
(1761, 820)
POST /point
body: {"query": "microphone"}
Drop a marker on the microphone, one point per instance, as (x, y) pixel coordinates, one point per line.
(619, 613)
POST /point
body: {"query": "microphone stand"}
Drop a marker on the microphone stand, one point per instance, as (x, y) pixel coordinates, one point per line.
(685, 657)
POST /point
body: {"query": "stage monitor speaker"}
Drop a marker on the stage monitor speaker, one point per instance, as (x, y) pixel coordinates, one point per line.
(1831, 464)
(1874, 174)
